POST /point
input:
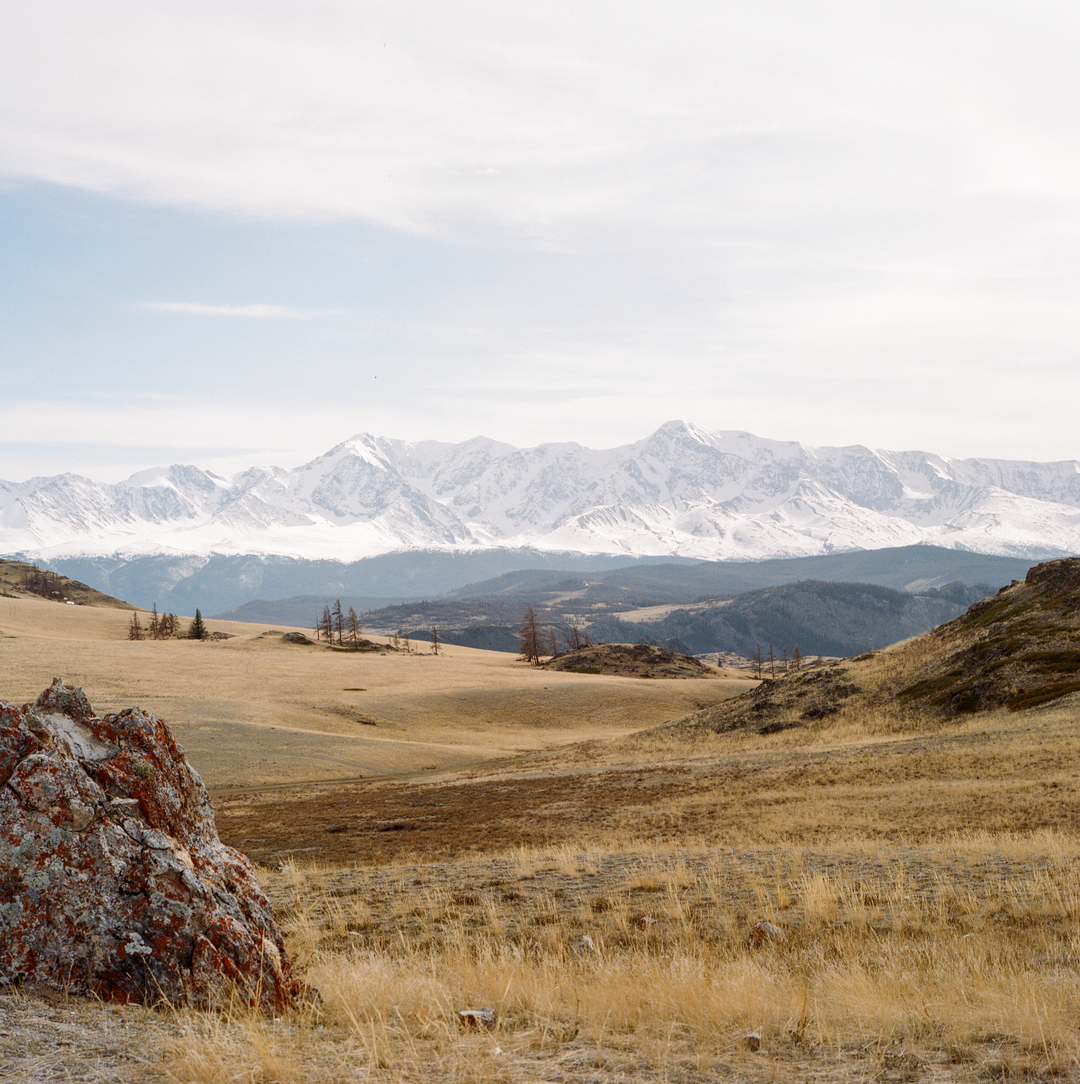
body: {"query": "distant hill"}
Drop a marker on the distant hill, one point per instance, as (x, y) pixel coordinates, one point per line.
(220, 583)
(487, 613)
(19, 579)
(906, 568)
(820, 618)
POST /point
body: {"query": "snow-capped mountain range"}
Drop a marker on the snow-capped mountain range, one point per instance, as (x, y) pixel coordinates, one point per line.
(681, 491)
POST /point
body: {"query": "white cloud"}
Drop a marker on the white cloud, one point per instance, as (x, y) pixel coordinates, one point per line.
(832, 222)
(559, 122)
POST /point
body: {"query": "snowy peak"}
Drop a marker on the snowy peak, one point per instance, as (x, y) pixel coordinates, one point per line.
(681, 490)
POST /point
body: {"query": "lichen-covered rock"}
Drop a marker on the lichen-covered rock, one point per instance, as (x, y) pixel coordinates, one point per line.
(112, 877)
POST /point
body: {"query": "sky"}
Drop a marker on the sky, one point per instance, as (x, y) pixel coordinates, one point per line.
(236, 233)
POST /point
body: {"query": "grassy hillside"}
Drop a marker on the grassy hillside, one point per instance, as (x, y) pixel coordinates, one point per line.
(1017, 650)
(18, 579)
(254, 709)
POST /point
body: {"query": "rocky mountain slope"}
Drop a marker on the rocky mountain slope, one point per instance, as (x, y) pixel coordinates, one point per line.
(681, 491)
(1017, 650)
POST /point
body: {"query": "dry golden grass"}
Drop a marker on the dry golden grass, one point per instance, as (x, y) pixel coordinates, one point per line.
(926, 875)
(253, 710)
(956, 960)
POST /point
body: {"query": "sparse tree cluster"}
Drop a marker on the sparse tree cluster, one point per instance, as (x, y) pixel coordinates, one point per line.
(160, 626)
(334, 624)
(40, 581)
(576, 638)
(536, 640)
(759, 660)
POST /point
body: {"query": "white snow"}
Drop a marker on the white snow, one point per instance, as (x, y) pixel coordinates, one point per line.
(681, 491)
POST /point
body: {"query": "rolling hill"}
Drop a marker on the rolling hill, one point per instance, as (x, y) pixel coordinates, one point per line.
(1017, 650)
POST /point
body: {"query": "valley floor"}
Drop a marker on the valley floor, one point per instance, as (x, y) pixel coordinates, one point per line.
(956, 960)
(924, 878)
(927, 885)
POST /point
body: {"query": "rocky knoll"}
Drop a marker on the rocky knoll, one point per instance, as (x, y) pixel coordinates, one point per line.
(1017, 650)
(638, 660)
(112, 878)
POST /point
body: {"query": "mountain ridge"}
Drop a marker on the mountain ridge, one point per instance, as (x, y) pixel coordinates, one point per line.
(681, 491)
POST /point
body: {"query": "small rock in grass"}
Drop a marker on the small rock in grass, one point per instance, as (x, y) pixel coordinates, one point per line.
(764, 933)
(583, 946)
(477, 1019)
(752, 1042)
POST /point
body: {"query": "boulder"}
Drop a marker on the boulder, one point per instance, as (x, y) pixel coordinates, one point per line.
(113, 880)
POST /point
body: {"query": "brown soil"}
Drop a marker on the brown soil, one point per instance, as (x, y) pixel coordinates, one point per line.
(1007, 773)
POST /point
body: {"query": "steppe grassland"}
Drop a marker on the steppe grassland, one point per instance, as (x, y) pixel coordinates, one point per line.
(956, 960)
(926, 937)
(252, 710)
(914, 951)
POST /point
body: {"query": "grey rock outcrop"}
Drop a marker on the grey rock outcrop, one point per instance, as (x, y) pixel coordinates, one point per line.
(113, 880)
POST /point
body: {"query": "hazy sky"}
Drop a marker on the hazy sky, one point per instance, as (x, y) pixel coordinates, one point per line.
(240, 232)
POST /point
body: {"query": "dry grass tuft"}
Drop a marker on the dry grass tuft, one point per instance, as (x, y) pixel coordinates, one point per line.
(956, 959)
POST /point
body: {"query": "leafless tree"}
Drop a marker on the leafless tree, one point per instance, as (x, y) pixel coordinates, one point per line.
(352, 623)
(530, 636)
(434, 640)
(575, 638)
(41, 581)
